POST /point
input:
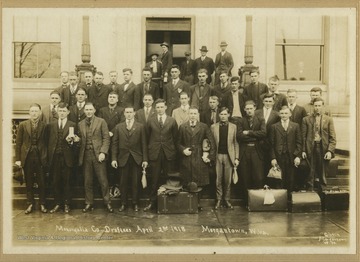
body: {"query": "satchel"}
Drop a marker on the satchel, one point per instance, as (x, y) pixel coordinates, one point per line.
(235, 176)
(18, 174)
(143, 179)
(275, 172)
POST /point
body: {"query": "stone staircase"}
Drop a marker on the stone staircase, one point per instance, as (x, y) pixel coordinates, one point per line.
(338, 176)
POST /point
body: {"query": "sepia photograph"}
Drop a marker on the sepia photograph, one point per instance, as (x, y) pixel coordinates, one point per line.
(223, 131)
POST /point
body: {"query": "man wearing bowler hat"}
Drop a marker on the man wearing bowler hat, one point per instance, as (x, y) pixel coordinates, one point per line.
(166, 59)
(204, 62)
(188, 69)
(223, 62)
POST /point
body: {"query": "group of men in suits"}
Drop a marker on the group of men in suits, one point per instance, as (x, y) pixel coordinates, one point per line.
(119, 129)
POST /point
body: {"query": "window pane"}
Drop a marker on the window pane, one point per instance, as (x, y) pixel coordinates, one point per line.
(37, 60)
(301, 63)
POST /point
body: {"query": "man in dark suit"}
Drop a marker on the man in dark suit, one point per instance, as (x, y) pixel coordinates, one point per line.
(222, 89)
(206, 63)
(64, 76)
(201, 92)
(211, 116)
(68, 93)
(251, 131)
(89, 81)
(49, 112)
(94, 146)
(315, 92)
(254, 90)
(162, 132)
(144, 114)
(319, 142)
(146, 87)
(126, 91)
(30, 153)
(166, 59)
(235, 100)
(98, 94)
(77, 111)
(279, 99)
(223, 62)
(297, 112)
(188, 72)
(271, 117)
(173, 89)
(129, 152)
(156, 69)
(60, 137)
(113, 78)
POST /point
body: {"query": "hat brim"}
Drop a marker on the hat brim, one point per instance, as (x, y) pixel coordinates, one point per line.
(196, 191)
(171, 187)
(202, 50)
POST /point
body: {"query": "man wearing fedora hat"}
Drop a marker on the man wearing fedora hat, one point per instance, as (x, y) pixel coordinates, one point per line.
(156, 68)
(223, 62)
(166, 59)
(204, 62)
(188, 69)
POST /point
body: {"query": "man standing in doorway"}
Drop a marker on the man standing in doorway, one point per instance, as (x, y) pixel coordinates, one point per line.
(223, 62)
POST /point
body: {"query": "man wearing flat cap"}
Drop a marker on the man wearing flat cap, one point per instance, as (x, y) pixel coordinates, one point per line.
(204, 62)
(188, 69)
(166, 59)
(223, 62)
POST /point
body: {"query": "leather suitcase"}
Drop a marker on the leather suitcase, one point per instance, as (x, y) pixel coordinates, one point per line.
(335, 199)
(256, 200)
(305, 202)
(181, 203)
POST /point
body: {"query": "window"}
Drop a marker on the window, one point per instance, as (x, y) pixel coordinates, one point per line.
(299, 49)
(37, 60)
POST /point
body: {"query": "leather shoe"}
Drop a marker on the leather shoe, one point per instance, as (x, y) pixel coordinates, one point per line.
(149, 207)
(67, 208)
(88, 208)
(29, 209)
(43, 209)
(55, 209)
(200, 208)
(136, 208)
(218, 204)
(109, 208)
(228, 204)
(122, 208)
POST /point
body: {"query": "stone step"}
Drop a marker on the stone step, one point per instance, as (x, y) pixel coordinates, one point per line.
(338, 181)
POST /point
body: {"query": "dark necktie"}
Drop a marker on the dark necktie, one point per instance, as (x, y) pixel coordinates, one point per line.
(192, 124)
(88, 121)
(61, 124)
(250, 119)
(53, 111)
(161, 121)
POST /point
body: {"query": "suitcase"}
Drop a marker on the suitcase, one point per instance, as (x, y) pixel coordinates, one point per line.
(305, 202)
(181, 203)
(256, 200)
(335, 199)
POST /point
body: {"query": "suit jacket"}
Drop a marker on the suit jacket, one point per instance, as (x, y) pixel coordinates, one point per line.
(205, 117)
(201, 102)
(180, 115)
(224, 63)
(208, 64)
(188, 68)
(60, 88)
(100, 137)
(293, 140)
(232, 144)
(327, 134)
(156, 75)
(52, 130)
(127, 98)
(140, 92)
(114, 118)
(113, 86)
(162, 138)
(23, 142)
(47, 115)
(298, 114)
(172, 94)
(66, 95)
(256, 135)
(274, 117)
(126, 143)
(222, 94)
(140, 115)
(254, 92)
(167, 61)
(99, 98)
(75, 114)
(229, 103)
(309, 108)
(86, 87)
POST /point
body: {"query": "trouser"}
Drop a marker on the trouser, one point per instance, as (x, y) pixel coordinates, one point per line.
(91, 166)
(132, 170)
(33, 165)
(316, 169)
(223, 176)
(61, 178)
(288, 172)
